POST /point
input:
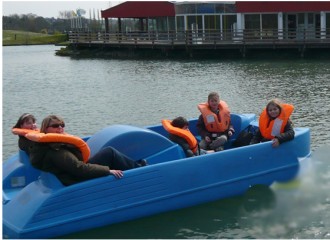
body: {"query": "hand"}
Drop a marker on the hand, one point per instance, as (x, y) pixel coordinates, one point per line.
(117, 173)
(275, 142)
(231, 131)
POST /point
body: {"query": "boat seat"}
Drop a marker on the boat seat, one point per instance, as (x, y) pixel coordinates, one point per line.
(49, 180)
(23, 174)
(136, 143)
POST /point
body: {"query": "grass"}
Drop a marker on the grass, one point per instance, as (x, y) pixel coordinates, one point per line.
(13, 37)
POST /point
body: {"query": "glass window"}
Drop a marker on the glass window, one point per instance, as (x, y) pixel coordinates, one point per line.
(180, 23)
(212, 22)
(204, 8)
(252, 21)
(311, 18)
(184, 8)
(162, 24)
(269, 21)
(301, 18)
(225, 7)
(269, 25)
(195, 22)
(228, 25)
(171, 23)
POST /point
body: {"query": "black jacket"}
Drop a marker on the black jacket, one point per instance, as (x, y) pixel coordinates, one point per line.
(25, 144)
(287, 135)
(183, 143)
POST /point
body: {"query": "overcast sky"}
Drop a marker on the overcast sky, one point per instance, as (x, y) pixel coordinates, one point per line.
(52, 8)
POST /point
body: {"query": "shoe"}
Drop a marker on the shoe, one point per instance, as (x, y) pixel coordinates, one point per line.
(142, 162)
(219, 149)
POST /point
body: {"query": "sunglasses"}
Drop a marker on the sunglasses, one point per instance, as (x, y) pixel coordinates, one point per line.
(57, 125)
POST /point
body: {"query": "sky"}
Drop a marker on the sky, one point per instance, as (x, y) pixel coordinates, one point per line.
(48, 9)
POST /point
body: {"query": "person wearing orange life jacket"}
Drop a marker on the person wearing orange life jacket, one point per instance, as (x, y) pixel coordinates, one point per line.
(275, 124)
(214, 123)
(25, 123)
(179, 133)
(66, 161)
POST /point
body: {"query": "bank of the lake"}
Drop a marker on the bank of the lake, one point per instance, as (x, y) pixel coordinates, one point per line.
(16, 38)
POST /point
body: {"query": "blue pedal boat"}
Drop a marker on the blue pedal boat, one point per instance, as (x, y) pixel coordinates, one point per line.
(36, 204)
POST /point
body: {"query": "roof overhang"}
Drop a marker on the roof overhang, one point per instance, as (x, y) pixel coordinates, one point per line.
(281, 6)
(140, 9)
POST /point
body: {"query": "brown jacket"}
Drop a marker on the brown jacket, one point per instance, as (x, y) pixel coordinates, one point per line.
(65, 162)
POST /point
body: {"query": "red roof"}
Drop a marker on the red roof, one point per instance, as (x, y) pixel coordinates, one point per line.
(280, 6)
(140, 9)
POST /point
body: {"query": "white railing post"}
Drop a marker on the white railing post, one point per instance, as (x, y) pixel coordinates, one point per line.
(280, 25)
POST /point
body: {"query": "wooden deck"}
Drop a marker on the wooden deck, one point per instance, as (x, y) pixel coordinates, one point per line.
(192, 43)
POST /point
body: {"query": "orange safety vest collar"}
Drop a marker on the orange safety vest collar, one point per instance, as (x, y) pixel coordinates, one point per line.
(211, 120)
(184, 133)
(22, 131)
(63, 138)
(270, 128)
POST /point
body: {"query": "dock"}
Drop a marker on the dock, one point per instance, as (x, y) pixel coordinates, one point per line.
(195, 44)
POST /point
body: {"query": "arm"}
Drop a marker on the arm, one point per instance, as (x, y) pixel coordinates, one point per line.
(24, 144)
(230, 130)
(183, 143)
(288, 133)
(201, 128)
(256, 138)
(63, 161)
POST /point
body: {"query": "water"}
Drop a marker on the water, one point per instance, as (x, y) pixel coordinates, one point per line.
(93, 93)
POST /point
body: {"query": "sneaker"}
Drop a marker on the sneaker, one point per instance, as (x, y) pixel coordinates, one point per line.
(219, 149)
(142, 162)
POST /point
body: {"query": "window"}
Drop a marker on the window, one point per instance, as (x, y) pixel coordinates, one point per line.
(212, 22)
(179, 23)
(195, 22)
(269, 21)
(252, 21)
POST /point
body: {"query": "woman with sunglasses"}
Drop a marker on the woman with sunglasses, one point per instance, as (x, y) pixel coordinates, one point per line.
(66, 162)
(25, 123)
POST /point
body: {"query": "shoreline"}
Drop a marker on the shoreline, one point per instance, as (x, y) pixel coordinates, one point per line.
(128, 52)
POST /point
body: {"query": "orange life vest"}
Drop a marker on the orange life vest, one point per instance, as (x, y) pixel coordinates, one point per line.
(270, 128)
(23, 131)
(211, 120)
(63, 138)
(184, 133)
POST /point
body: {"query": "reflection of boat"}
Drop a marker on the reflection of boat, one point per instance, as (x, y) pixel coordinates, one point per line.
(37, 205)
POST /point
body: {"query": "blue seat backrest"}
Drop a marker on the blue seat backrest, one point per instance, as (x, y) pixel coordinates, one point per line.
(136, 143)
(19, 171)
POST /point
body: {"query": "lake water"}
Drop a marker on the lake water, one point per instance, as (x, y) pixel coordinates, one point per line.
(93, 93)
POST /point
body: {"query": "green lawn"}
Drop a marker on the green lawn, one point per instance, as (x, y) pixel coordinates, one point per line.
(12, 37)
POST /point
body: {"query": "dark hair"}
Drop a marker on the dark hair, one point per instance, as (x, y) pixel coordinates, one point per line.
(213, 95)
(23, 118)
(180, 122)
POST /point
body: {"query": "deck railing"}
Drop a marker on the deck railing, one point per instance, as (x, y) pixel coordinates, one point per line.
(203, 37)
